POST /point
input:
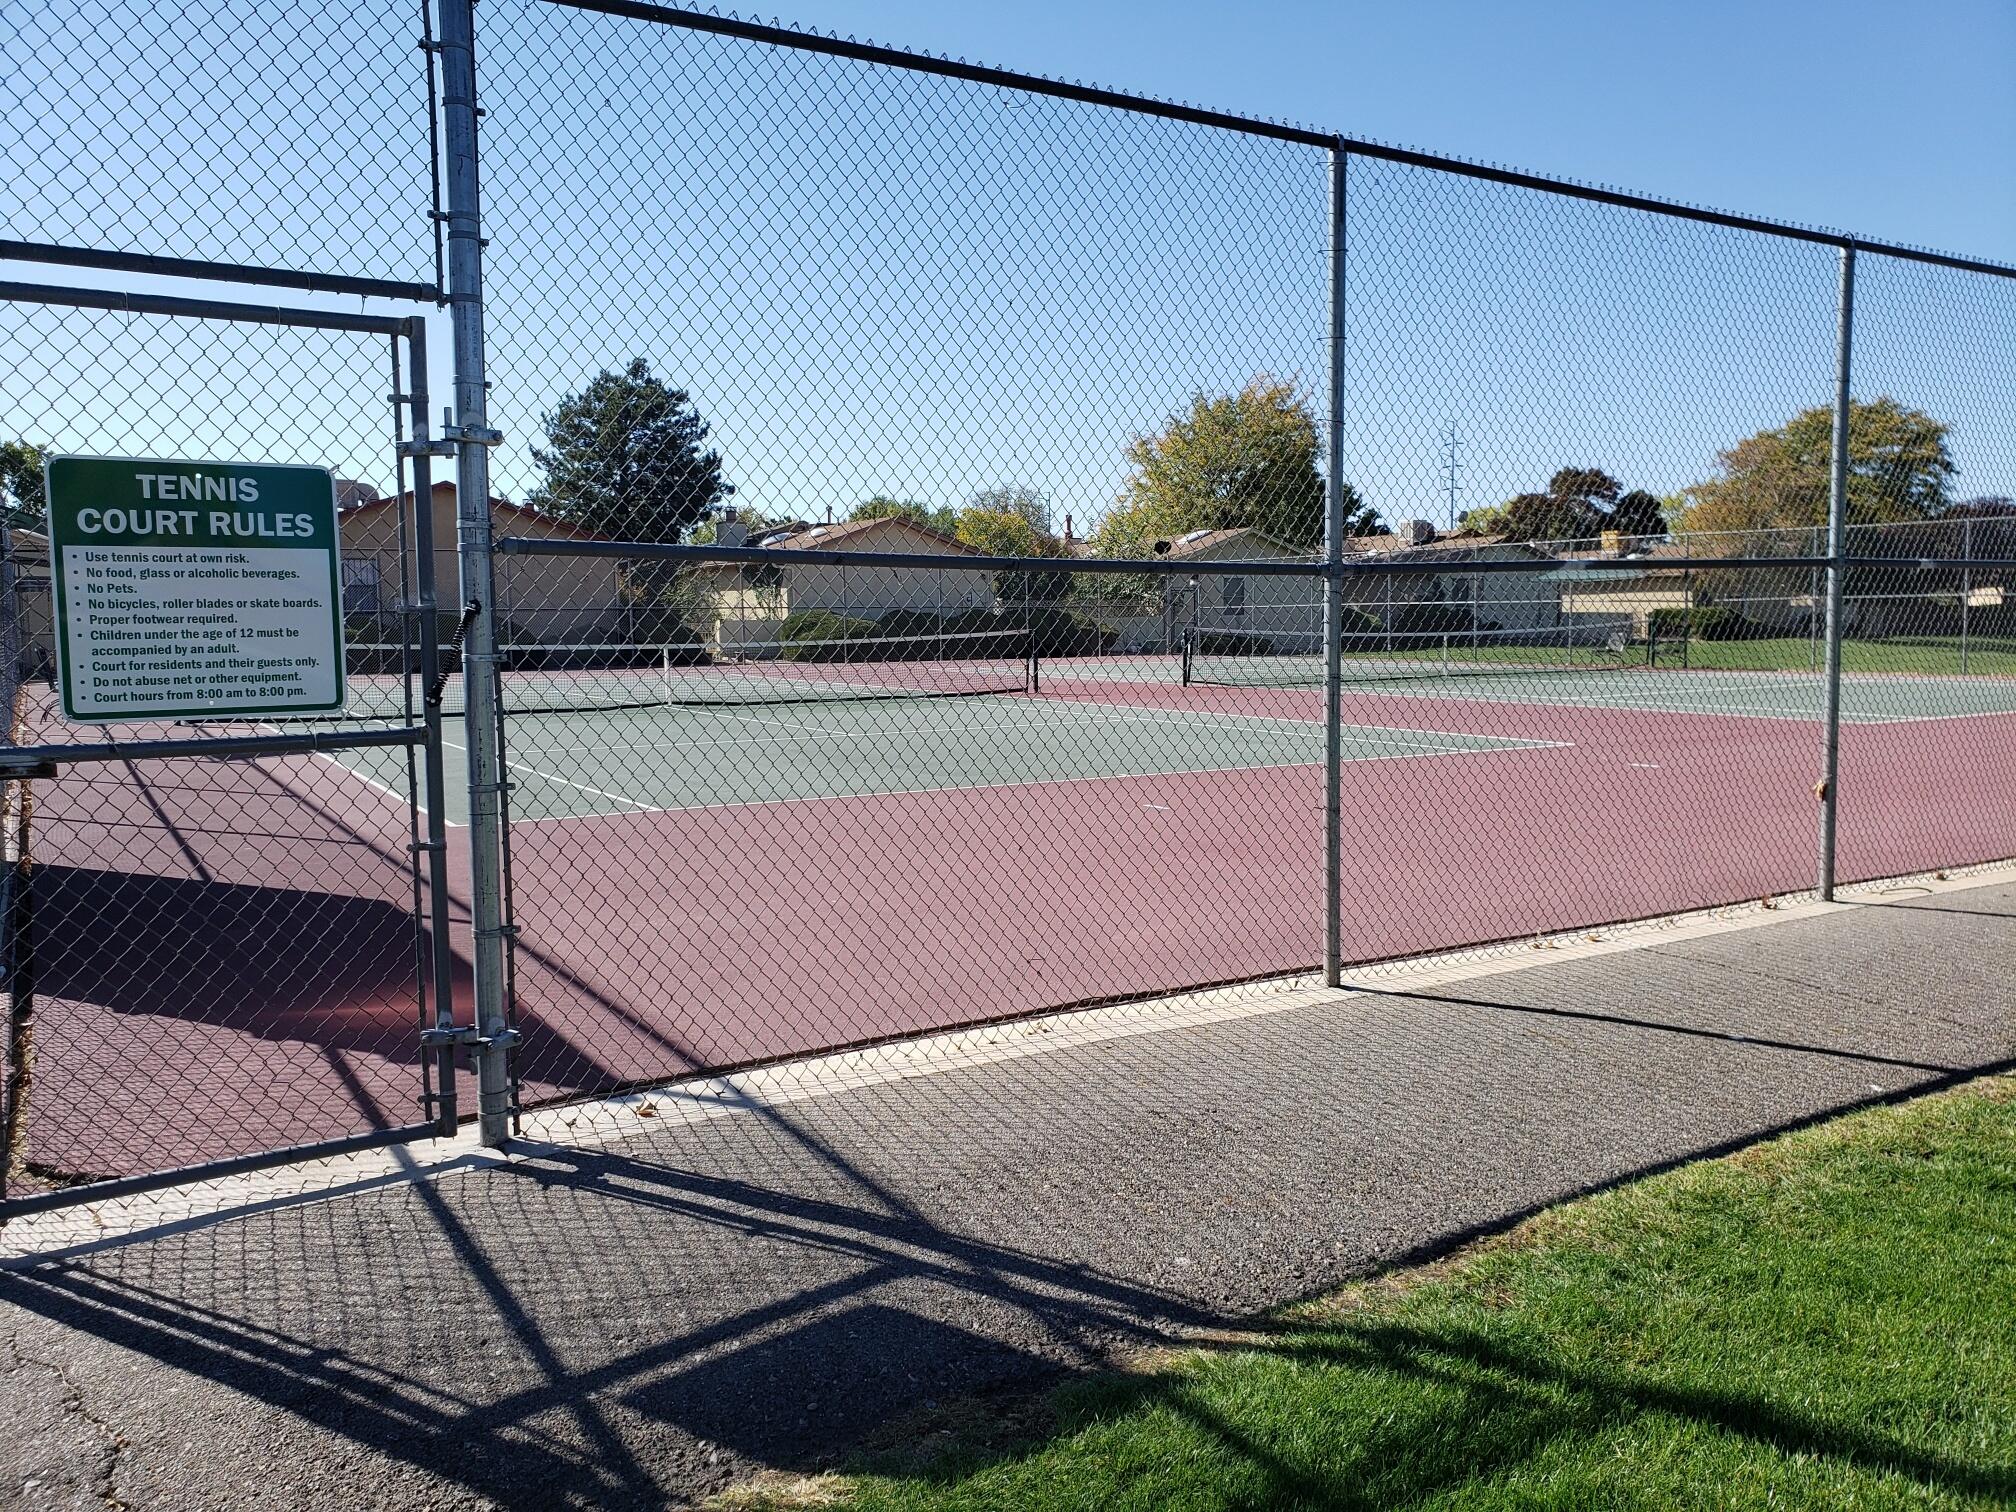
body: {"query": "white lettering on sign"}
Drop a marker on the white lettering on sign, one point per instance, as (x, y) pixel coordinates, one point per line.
(200, 490)
(232, 608)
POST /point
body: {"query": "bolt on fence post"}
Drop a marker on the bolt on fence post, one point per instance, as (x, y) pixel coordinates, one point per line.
(472, 501)
(1837, 542)
(1333, 597)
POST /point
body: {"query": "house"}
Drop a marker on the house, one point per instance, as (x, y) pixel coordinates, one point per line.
(1623, 598)
(542, 600)
(1786, 601)
(748, 603)
(1260, 604)
(1493, 600)
(32, 606)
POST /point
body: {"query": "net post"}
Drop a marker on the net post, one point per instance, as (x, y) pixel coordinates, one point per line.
(1333, 593)
(1837, 537)
(472, 501)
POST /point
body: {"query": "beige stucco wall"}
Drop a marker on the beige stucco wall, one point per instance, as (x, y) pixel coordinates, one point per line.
(547, 599)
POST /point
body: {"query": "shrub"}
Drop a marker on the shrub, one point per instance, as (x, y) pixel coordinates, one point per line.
(1233, 643)
(1065, 632)
(808, 627)
(1706, 622)
(1433, 619)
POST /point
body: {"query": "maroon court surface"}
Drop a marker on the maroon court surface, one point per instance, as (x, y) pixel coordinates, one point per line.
(227, 957)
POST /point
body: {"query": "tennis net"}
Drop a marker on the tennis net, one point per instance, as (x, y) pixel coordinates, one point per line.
(385, 680)
(1290, 659)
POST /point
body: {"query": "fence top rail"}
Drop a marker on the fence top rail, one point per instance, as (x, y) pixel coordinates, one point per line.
(762, 556)
(241, 273)
(206, 309)
(959, 68)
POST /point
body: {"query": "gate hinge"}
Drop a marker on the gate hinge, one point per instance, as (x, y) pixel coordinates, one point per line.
(468, 1034)
(426, 448)
(473, 435)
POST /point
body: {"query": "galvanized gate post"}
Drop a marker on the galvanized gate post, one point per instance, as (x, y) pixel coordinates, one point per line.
(1837, 544)
(473, 437)
(1333, 597)
(442, 1035)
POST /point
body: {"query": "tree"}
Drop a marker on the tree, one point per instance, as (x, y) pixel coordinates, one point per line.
(1638, 513)
(931, 517)
(21, 492)
(1016, 499)
(1579, 504)
(1244, 459)
(623, 458)
(1898, 469)
(1008, 532)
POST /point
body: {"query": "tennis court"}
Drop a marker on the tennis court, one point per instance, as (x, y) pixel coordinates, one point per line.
(805, 856)
(572, 765)
(649, 736)
(713, 865)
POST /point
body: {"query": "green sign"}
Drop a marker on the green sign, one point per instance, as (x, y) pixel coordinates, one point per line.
(194, 588)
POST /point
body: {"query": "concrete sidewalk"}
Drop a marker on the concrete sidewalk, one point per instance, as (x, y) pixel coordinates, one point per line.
(627, 1321)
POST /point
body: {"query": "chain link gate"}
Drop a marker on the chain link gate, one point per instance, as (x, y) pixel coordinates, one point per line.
(228, 943)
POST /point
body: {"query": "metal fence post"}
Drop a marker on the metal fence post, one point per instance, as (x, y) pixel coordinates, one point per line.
(1966, 585)
(1333, 597)
(1837, 541)
(473, 436)
(426, 600)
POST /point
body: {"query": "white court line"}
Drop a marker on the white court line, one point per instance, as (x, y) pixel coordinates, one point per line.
(1181, 719)
(1055, 718)
(404, 800)
(1634, 706)
(519, 766)
(1504, 748)
(1297, 728)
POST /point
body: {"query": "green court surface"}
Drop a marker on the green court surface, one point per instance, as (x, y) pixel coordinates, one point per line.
(1866, 698)
(653, 760)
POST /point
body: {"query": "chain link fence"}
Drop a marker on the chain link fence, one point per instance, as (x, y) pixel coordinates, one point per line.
(965, 546)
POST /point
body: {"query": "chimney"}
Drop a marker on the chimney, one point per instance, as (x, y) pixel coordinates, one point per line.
(1414, 532)
(1067, 530)
(729, 530)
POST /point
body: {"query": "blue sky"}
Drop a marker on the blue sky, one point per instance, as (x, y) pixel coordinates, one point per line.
(1897, 122)
(878, 282)
(874, 282)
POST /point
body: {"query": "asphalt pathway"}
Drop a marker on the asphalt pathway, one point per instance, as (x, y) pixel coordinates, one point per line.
(650, 1319)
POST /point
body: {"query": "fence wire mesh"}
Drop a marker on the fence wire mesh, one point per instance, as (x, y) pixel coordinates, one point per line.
(746, 290)
(222, 130)
(210, 957)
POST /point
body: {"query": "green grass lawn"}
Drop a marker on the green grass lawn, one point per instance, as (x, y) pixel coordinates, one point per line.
(1923, 656)
(1825, 1320)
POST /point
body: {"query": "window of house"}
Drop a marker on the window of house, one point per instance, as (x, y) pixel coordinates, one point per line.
(361, 586)
(1234, 591)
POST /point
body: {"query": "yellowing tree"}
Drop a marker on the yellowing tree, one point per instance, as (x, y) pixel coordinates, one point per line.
(1778, 479)
(1244, 459)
